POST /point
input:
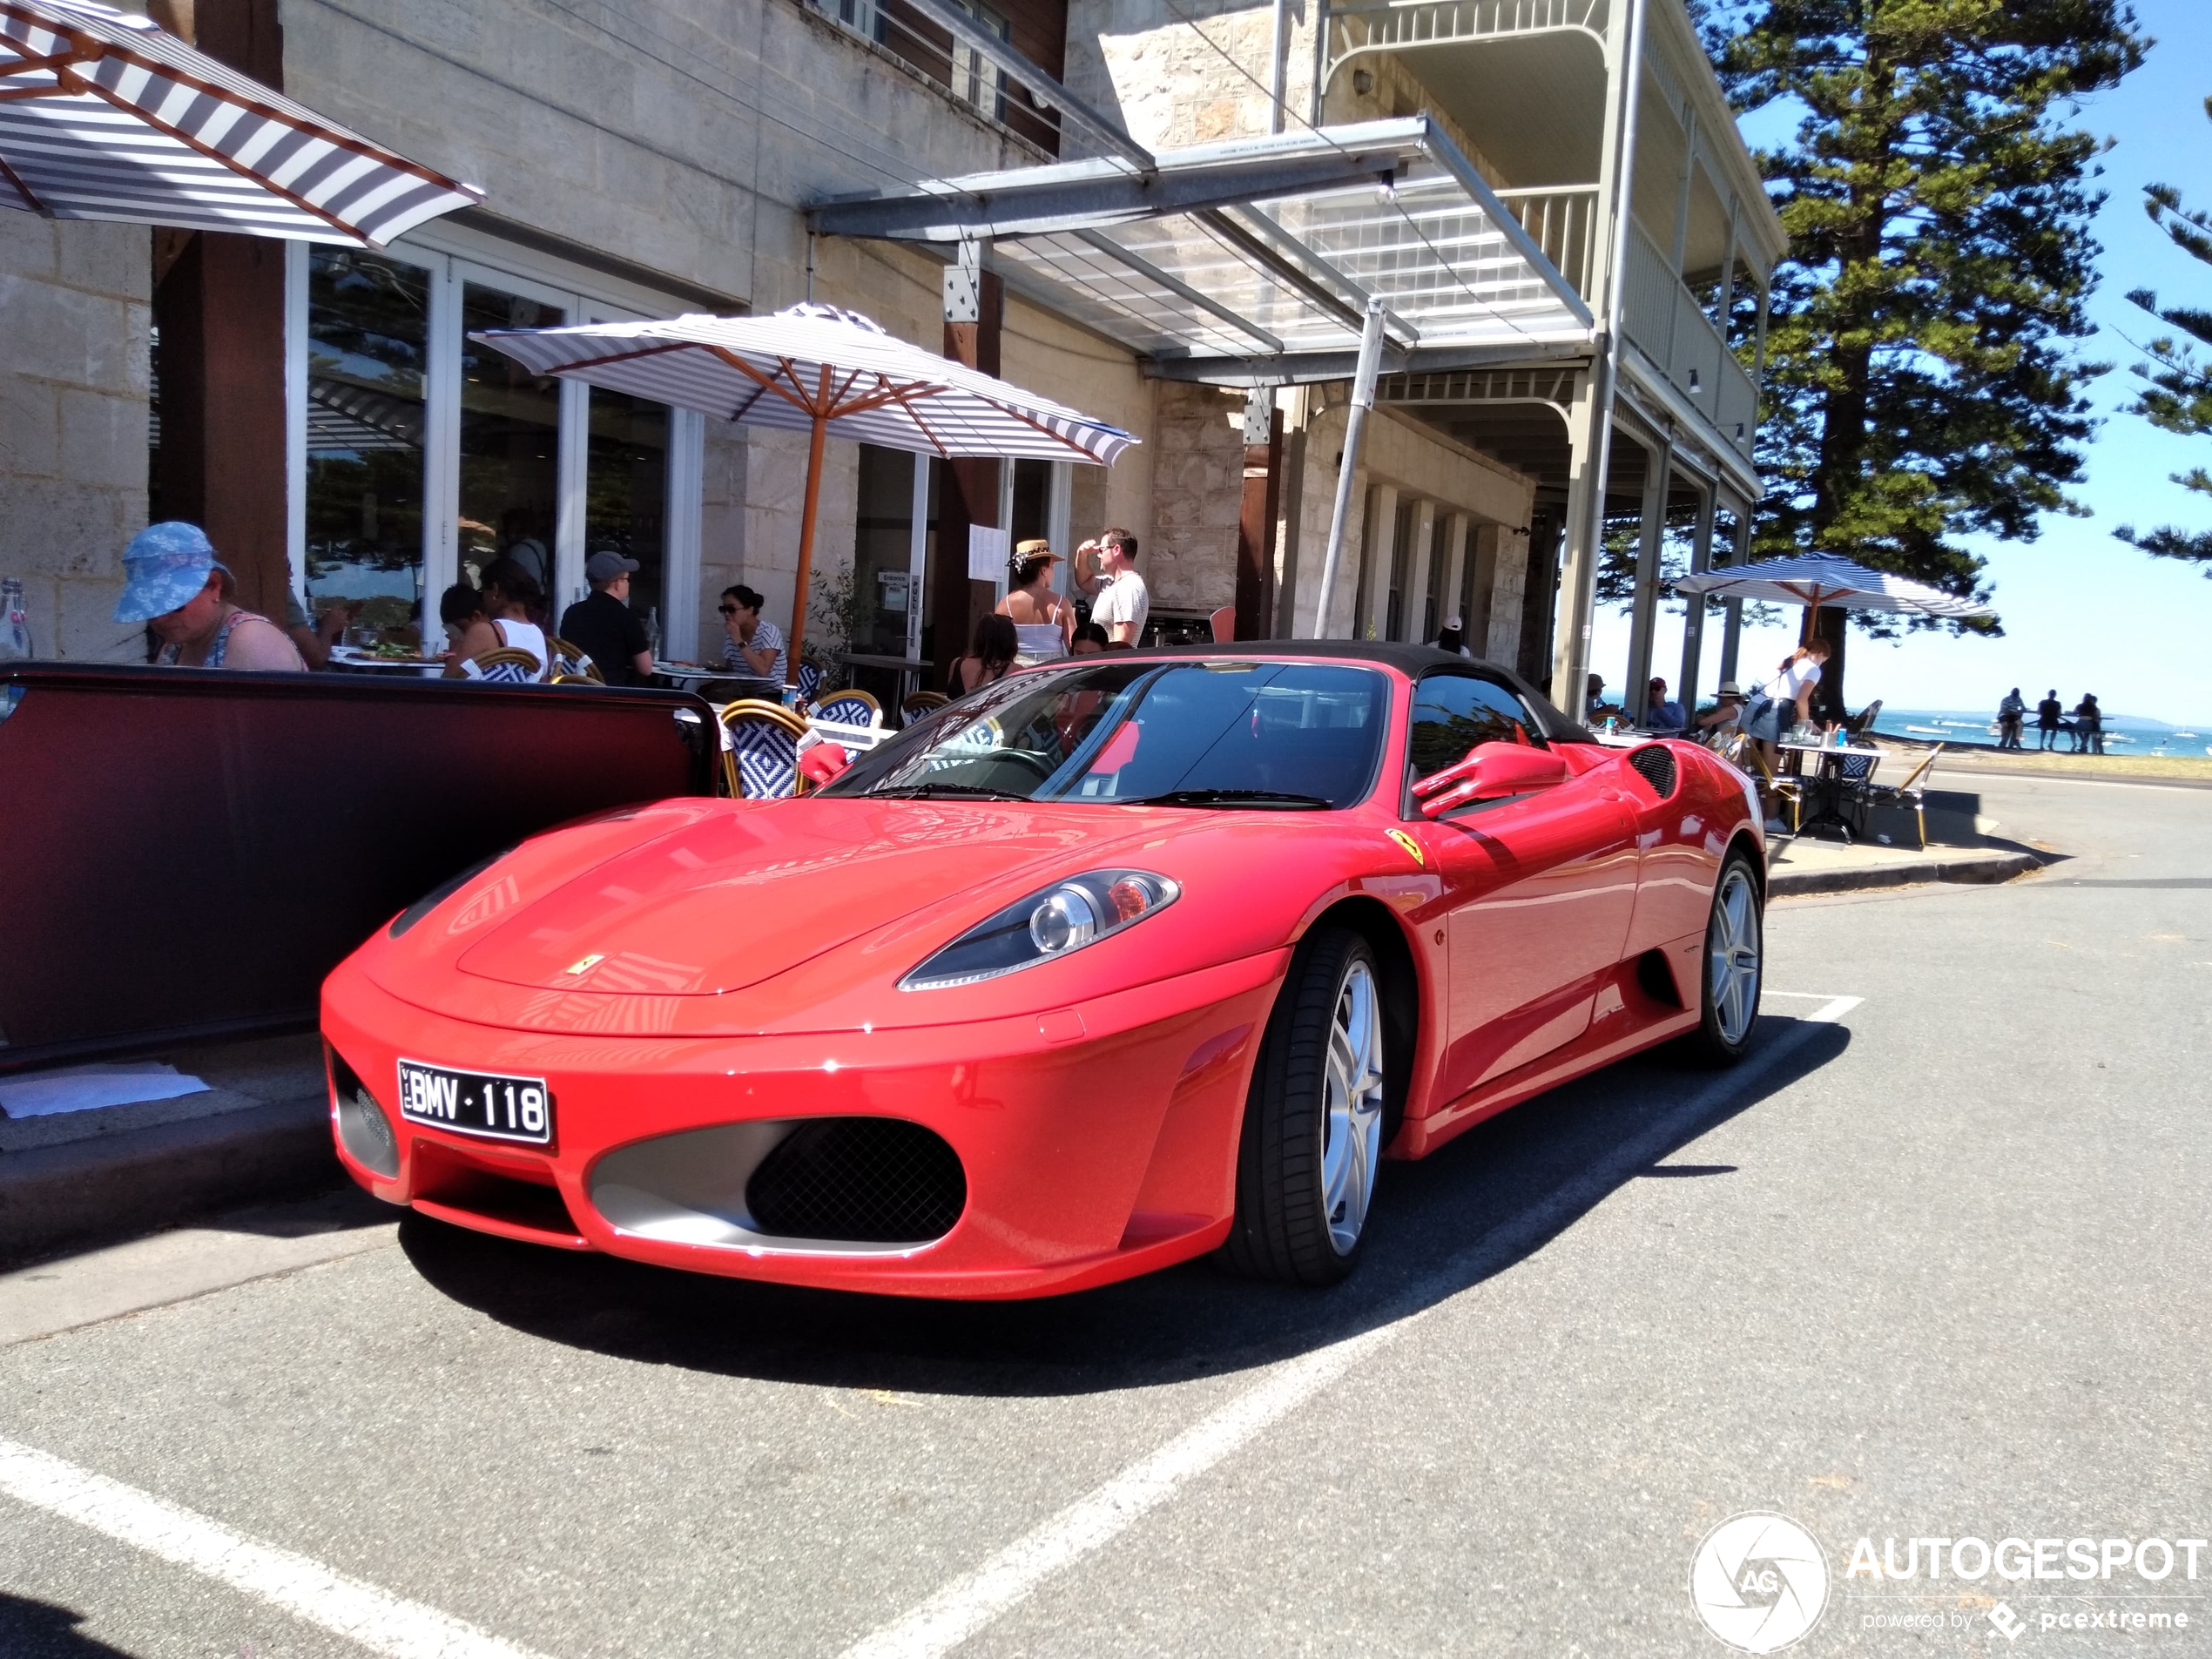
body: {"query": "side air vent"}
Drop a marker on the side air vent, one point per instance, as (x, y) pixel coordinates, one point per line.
(871, 1180)
(1657, 765)
(363, 1129)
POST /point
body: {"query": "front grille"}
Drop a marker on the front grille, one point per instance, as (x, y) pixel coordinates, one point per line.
(862, 1180)
(1657, 763)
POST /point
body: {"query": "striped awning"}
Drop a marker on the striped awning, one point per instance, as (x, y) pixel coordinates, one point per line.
(104, 116)
(812, 362)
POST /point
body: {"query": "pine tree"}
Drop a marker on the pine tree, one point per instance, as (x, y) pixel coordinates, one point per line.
(2179, 394)
(1920, 386)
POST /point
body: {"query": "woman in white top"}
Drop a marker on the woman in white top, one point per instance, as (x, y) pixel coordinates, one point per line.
(510, 599)
(1044, 622)
(1786, 700)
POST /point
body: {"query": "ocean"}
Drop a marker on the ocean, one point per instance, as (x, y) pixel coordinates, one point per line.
(2125, 734)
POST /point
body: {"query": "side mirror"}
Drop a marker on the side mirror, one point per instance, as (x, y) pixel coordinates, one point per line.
(1491, 771)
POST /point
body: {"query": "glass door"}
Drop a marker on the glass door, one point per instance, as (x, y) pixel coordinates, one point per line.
(625, 498)
(511, 433)
(368, 329)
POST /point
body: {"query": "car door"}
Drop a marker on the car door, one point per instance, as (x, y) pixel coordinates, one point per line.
(1538, 888)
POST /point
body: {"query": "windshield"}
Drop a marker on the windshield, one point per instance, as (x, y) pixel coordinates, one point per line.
(1263, 735)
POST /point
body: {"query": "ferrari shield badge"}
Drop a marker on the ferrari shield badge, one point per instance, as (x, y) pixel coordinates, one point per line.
(1411, 846)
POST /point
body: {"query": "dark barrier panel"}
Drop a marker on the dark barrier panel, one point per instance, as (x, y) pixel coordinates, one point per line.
(187, 853)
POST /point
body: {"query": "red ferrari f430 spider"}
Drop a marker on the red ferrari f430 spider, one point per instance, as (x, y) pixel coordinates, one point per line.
(1109, 964)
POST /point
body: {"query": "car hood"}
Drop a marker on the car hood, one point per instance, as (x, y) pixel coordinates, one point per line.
(736, 897)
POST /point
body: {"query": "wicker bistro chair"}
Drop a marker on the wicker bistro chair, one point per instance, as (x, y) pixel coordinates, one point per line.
(506, 665)
(917, 704)
(809, 681)
(1912, 793)
(849, 708)
(761, 762)
(571, 661)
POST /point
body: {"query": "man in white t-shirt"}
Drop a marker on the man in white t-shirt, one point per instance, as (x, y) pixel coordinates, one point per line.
(1119, 602)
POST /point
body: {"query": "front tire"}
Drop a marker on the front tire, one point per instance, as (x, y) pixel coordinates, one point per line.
(1735, 965)
(1312, 1136)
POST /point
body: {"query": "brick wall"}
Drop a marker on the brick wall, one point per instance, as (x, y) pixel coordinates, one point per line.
(74, 312)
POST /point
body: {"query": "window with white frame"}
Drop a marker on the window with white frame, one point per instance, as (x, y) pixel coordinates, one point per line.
(420, 456)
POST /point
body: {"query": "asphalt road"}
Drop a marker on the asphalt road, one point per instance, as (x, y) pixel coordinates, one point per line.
(1934, 1263)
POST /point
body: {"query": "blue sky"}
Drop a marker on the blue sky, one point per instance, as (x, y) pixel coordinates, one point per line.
(2082, 611)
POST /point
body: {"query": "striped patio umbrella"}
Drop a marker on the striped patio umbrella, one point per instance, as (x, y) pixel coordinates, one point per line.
(1815, 580)
(104, 116)
(816, 369)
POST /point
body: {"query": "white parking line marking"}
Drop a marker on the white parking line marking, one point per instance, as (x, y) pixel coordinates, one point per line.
(976, 1598)
(380, 1621)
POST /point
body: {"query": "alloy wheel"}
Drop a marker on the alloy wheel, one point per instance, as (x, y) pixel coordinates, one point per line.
(1351, 1130)
(1732, 950)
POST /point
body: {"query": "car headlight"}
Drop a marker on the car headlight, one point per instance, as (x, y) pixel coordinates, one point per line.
(1050, 923)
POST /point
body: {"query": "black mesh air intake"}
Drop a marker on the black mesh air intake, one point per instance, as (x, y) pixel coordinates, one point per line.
(863, 1180)
(1657, 765)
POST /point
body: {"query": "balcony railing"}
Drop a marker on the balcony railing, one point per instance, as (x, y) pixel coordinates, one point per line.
(1662, 317)
(930, 50)
(1561, 222)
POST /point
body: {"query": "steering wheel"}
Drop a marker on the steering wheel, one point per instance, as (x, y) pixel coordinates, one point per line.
(1036, 762)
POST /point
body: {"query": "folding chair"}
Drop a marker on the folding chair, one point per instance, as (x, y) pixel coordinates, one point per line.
(1912, 793)
(762, 760)
(849, 708)
(1223, 624)
(505, 665)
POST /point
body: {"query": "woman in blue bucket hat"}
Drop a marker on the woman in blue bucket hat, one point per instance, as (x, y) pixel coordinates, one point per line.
(175, 584)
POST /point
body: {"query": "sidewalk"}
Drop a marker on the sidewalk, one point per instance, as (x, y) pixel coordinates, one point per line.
(261, 1130)
(1801, 864)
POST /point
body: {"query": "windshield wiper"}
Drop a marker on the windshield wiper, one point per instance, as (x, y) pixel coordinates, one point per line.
(1274, 799)
(927, 792)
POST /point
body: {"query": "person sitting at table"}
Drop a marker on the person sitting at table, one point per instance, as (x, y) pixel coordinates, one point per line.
(1662, 713)
(187, 597)
(1089, 640)
(755, 646)
(1727, 713)
(604, 626)
(990, 658)
(1044, 622)
(314, 637)
(510, 597)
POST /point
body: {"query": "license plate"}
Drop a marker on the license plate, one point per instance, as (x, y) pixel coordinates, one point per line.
(477, 1102)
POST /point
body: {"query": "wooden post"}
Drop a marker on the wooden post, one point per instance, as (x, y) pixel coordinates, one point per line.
(806, 526)
(1255, 528)
(969, 493)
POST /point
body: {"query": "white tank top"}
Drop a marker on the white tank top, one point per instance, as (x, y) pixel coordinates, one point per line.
(525, 636)
(1039, 642)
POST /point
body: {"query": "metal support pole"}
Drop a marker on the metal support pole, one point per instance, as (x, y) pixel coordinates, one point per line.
(1732, 632)
(1278, 41)
(1643, 606)
(1693, 619)
(1355, 428)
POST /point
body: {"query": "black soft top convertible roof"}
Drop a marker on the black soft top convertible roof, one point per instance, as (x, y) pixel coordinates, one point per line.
(1412, 661)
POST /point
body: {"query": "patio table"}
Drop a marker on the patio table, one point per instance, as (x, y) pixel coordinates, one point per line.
(352, 659)
(1827, 791)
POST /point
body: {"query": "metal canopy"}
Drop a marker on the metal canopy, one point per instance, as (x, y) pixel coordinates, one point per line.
(1255, 260)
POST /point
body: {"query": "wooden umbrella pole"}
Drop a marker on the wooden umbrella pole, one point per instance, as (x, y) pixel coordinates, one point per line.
(806, 536)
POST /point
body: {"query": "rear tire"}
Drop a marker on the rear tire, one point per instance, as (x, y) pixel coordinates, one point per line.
(1734, 965)
(1312, 1137)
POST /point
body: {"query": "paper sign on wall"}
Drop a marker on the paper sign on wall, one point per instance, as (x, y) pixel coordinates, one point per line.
(987, 552)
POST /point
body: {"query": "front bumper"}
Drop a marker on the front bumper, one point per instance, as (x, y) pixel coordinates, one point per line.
(1096, 1142)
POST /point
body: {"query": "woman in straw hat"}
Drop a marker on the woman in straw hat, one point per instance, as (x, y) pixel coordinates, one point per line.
(1044, 621)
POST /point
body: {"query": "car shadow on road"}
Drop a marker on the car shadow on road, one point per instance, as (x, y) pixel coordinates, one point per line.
(31, 1630)
(1489, 1199)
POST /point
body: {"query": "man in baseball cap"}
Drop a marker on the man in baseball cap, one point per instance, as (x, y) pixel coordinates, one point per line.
(605, 626)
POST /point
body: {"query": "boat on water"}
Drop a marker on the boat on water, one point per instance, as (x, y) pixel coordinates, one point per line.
(1926, 731)
(2181, 734)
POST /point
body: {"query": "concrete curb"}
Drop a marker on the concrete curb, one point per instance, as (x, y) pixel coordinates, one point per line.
(1969, 866)
(121, 1186)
